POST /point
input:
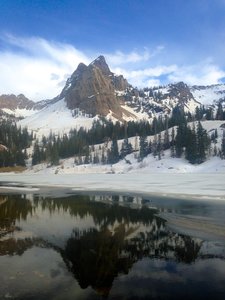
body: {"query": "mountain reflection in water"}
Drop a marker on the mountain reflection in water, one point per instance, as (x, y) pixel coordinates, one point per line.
(100, 240)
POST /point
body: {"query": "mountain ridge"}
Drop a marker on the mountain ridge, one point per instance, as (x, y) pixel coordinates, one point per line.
(93, 90)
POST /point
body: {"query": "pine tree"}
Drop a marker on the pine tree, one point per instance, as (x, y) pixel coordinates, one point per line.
(180, 141)
(209, 114)
(113, 154)
(203, 143)
(223, 145)
(54, 156)
(172, 144)
(159, 146)
(86, 155)
(166, 140)
(96, 158)
(191, 151)
(143, 144)
(126, 148)
(154, 146)
(219, 113)
(103, 158)
(215, 152)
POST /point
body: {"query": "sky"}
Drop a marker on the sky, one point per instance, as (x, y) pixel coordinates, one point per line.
(150, 42)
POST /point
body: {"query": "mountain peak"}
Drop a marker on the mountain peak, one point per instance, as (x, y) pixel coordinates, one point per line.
(100, 62)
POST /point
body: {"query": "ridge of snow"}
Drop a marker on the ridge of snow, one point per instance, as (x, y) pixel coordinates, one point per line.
(18, 112)
(149, 165)
(56, 118)
(209, 94)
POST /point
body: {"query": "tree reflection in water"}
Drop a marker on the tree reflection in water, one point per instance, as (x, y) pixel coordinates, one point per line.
(121, 236)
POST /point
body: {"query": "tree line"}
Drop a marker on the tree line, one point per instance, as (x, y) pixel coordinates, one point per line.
(13, 144)
(189, 141)
(99, 144)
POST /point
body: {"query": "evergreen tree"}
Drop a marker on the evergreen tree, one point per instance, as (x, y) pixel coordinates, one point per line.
(103, 158)
(87, 155)
(143, 145)
(180, 141)
(191, 151)
(172, 144)
(166, 140)
(159, 146)
(203, 143)
(54, 155)
(199, 111)
(126, 148)
(219, 113)
(209, 114)
(36, 157)
(223, 145)
(215, 152)
(113, 154)
(3, 158)
(154, 146)
(95, 158)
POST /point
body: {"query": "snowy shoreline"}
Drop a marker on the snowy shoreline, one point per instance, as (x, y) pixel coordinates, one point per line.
(188, 186)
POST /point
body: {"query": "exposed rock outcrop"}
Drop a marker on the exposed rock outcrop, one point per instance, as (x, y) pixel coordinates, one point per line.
(12, 102)
(93, 89)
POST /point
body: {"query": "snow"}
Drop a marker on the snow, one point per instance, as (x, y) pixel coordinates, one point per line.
(204, 186)
(22, 189)
(120, 93)
(168, 177)
(173, 177)
(191, 106)
(209, 94)
(133, 114)
(210, 125)
(56, 118)
(149, 165)
(20, 112)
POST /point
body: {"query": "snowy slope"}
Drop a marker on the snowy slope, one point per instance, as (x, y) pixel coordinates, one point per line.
(149, 165)
(58, 119)
(55, 118)
(18, 112)
(208, 94)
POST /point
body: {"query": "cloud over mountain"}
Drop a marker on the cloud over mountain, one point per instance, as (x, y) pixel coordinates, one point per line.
(39, 68)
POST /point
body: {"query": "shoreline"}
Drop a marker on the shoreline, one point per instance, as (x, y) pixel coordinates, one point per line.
(93, 185)
(203, 187)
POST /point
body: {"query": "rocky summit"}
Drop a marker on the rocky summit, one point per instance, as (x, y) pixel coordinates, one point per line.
(94, 89)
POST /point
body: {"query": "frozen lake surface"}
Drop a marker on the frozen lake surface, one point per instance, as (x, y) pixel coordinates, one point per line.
(188, 185)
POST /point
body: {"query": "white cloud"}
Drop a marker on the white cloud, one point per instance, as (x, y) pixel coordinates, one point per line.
(39, 68)
(148, 76)
(121, 58)
(204, 73)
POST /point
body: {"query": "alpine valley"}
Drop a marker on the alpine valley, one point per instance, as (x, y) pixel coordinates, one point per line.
(101, 123)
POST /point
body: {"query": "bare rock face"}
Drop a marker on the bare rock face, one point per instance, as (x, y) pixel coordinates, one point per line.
(180, 91)
(93, 89)
(12, 102)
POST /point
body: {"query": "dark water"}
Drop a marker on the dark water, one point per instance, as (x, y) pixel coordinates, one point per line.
(114, 247)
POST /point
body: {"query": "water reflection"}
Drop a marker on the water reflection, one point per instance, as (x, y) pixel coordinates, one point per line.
(95, 239)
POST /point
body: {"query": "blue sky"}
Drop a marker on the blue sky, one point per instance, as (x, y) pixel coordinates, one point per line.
(150, 42)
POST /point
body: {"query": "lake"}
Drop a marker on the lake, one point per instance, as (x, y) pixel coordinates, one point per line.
(78, 246)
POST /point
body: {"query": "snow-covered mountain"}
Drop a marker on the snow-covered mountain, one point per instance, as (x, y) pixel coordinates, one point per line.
(209, 95)
(12, 106)
(93, 91)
